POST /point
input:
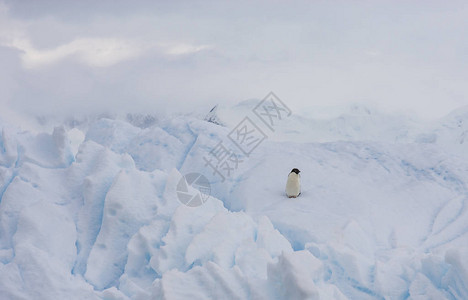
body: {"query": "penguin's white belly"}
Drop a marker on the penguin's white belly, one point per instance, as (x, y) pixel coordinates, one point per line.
(293, 185)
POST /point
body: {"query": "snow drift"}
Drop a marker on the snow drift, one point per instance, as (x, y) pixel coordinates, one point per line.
(92, 212)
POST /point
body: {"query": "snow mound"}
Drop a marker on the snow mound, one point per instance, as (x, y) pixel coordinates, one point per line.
(93, 212)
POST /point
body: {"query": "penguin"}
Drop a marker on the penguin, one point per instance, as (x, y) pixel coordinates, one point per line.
(293, 185)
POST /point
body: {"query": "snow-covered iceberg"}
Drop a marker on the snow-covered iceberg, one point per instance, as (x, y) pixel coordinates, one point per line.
(92, 212)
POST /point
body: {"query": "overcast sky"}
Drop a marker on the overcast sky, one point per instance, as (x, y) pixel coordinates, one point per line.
(95, 56)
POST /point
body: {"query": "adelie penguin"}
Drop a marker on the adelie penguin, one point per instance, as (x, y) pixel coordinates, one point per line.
(293, 185)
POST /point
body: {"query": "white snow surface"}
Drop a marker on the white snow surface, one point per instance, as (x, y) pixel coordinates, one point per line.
(91, 212)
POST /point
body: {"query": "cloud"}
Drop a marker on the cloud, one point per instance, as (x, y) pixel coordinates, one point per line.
(81, 56)
(96, 52)
(102, 49)
(182, 49)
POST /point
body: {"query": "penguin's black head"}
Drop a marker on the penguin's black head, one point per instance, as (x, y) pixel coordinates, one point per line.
(295, 171)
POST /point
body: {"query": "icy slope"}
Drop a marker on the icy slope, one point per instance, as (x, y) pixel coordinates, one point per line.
(95, 214)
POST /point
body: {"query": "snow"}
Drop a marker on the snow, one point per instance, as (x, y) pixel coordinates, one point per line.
(91, 211)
